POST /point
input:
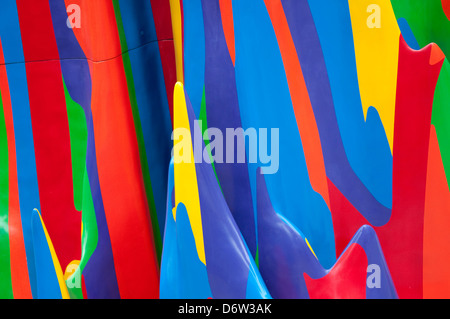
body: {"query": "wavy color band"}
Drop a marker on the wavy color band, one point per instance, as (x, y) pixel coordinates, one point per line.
(115, 176)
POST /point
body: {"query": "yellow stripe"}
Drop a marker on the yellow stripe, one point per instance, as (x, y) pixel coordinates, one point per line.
(186, 187)
(175, 12)
(58, 270)
(307, 242)
(376, 51)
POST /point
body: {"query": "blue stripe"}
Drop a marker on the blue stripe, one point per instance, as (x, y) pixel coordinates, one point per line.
(26, 163)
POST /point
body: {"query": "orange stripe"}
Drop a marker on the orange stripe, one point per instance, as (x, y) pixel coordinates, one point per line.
(19, 272)
(226, 11)
(121, 183)
(119, 169)
(95, 20)
(304, 114)
(436, 255)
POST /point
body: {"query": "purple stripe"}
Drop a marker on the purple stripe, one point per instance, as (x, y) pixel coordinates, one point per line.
(99, 273)
(227, 260)
(223, 112)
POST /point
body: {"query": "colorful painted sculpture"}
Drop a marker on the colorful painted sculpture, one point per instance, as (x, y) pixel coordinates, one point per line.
(116, 175)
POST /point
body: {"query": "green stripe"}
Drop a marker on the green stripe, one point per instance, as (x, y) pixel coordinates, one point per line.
(89, 237)
(139, 134)
(5, 262)
(78, 145)
(90, 230)
(429, 23)
(81, 189)
(202, 117)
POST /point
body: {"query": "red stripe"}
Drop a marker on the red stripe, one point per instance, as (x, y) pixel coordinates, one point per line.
(346, 280)
(50, 130)
(446, 8)
(163, 26)
(162, 19)
(346, 218)
(167, 53)
(402, 238)
(36, 27)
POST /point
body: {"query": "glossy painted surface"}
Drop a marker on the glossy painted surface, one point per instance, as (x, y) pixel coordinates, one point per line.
(96, 202)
